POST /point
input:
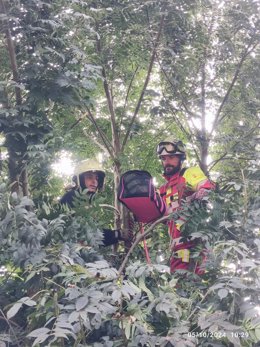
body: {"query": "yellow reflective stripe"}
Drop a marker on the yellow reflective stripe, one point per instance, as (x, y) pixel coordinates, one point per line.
(179, 223)
(184, 254)
(168, 201)
(168, 196)
(171, 198)
(194, 176)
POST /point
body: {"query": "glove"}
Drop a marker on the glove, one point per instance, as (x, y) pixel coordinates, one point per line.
(125, 235)
(199, 195)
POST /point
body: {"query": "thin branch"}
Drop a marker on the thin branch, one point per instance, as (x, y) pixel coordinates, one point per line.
(75, 123)
(218, 160)
(105, 140)
(235, 77)
(85, 132)
(189, 112)
(127, 95)
(112, 113)
(145, 83)
(11, 328)
(95, 140)
(178, 122)
(53, 282)
(109, 97)
(129, 87)
(203, 96)
(200, 302)
(138, 239)
(232, 147)
(188, 133)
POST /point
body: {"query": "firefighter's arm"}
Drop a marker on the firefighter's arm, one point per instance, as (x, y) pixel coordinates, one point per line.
(198, 182)
(111, 237)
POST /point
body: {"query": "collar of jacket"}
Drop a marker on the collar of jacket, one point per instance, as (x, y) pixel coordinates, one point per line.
(172, 178)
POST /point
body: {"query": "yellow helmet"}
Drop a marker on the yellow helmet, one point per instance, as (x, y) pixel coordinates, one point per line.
(89, 165)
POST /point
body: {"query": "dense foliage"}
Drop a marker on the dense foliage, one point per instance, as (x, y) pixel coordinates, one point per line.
(60, 288)
(116, 77)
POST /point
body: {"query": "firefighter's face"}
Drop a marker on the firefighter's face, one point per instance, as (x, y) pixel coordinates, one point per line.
(91, 181)
(171, 164)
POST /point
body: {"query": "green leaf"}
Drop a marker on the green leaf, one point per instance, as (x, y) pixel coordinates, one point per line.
(74, 317)
(13, 310)
(116, 295)
(128, 329)
(27, 301)
(91, 309)
(257, 334)
(31, 275)
(38, 332)
(143, 286)
(81, 303)
(222, 293)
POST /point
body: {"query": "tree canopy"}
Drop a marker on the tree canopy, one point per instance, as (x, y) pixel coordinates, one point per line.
(111, 79)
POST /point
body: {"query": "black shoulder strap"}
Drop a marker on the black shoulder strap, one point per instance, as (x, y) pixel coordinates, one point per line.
(182, 171)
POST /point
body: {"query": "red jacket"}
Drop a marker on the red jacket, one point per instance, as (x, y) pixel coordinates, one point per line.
(193, 183)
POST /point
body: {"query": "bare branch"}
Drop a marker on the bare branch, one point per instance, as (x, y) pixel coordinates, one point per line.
(127, 94)
(188, 133)
(75, 123)
(138, 239)
(9, 322)
(183, 103)
(109, 97)
(145, 83)
(112, 113)
(130, 86)
(95, 140)
(203, 96)
(189, 112)
(105, 140)
(91, 118)
(247, 51)
(250, 132)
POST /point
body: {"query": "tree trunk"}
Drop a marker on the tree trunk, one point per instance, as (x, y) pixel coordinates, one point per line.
(17, 172)
(117, 173)
(204, 143)
(204, 151)
(12, 169)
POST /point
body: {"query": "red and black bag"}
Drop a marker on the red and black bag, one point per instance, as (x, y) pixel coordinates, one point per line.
(137, 192)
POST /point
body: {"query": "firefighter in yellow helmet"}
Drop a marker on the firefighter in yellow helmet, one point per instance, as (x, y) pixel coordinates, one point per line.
(89, 176)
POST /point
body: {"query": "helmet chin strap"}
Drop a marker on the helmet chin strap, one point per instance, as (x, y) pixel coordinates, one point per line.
(91, 196)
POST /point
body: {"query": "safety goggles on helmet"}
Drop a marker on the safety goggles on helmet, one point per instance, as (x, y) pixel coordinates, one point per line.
(169, 148)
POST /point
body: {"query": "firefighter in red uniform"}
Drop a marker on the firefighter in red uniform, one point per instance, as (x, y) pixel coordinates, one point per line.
(182, 183)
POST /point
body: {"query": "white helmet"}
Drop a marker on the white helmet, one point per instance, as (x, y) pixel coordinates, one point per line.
(170, 146)
(89, 165)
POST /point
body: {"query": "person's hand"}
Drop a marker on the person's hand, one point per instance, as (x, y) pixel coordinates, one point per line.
(125, 235)
(199, 195)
